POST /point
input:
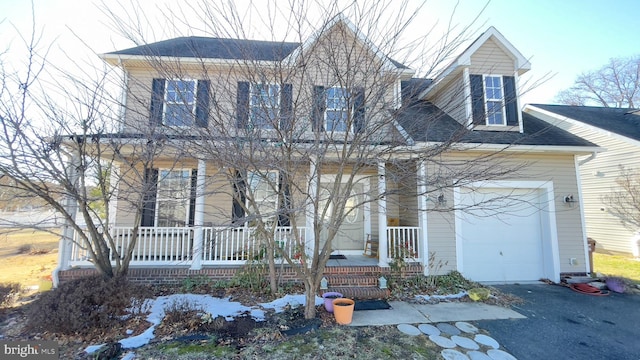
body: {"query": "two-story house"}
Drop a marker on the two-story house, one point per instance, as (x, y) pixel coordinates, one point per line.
(448, 167)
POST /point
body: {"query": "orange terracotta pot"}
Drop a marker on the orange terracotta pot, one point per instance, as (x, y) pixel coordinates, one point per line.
(343, 310)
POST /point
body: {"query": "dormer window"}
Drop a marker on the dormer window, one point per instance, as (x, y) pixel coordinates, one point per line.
(494, 100)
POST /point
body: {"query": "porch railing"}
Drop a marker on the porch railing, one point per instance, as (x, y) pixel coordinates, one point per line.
(175, 245)
(404, 242)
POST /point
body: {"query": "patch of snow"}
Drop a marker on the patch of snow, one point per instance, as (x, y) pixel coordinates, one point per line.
(205, 303)
(459, 295)
(292, 300)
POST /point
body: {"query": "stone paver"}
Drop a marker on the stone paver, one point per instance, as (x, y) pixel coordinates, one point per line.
(442, 341)
(448, 329)
(487, 341)
(466, 327)
(465, 342)
(450, 354)
(409, 329)
(429, 329)
(495, 354)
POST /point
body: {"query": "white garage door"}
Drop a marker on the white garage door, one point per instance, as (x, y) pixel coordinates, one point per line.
(501, 236)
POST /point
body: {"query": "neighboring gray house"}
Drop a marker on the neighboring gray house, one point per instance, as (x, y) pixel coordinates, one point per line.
(618, 131)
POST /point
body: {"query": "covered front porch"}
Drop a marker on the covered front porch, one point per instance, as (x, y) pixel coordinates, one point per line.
(387, 232)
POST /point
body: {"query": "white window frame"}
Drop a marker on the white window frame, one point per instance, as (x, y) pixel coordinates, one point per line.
(160, 199)
(344, 109)
(180, 101)
(499, 101)
(272, 194)
(254, 108)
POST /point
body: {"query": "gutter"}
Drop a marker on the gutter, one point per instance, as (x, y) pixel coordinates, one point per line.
(587, 159)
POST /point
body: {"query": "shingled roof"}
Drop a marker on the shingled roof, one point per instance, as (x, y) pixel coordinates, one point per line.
(425, 122)
(214, 48)
(625, 122)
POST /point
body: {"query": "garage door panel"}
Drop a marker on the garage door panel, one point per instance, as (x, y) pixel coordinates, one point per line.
(506, 246)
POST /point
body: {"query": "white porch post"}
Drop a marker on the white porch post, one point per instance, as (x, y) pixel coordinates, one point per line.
(198, 219)
(312, 190)
(383, 253)
(421, 180)
(66, 241)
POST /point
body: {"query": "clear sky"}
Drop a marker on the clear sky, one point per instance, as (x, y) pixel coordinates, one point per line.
(561, 37)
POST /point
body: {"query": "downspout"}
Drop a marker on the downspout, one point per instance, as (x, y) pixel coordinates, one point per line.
(581, 206)
(587, 159)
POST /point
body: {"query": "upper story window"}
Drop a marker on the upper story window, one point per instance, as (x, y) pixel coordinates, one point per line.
(494, 101)
(264, 105)
(494, 97)
(333, 106)
(336, 112)
(179, 103)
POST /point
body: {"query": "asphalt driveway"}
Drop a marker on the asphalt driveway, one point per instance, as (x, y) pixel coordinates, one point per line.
(563, 324)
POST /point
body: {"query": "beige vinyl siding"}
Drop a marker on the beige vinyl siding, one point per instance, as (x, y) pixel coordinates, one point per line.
(491, 59)
(559, 170)
(598, 177)
(451, 100)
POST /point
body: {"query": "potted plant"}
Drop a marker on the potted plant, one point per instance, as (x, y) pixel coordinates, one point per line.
(328, 299)
(343, 310)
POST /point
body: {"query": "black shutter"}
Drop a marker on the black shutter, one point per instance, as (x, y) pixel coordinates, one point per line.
(202, 103)
(477, 99)
(510, 100)
(149, 200)
(286, 105)
(239, 199)
(192, 197)
(157, 102)
(242, 108)
(358, 110)
(284, 202)
(318, 108)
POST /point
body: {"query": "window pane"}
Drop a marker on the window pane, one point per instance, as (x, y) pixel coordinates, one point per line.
(174, 194)
(262, 186)
(336, 113)
(180, 99)
(494, 113)
(265, 104)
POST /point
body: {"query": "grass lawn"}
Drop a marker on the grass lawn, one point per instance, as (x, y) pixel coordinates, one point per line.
(617, 265)
(17, 265)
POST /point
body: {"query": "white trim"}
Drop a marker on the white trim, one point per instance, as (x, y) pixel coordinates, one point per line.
(387, 64)
(516, 80)
(501, 100)
(522, 65)
(312, 191)
(529, 108)
(468, 102)
(582, 217)
(549, 227)
(158, 199)
(198, 218)
(165, 102)
(383, 252)
(421, 179)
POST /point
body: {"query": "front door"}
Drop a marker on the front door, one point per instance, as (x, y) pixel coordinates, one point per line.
(350, 237)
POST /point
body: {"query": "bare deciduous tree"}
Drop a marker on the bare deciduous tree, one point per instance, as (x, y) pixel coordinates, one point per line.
(295, 166)
(58, 145)
(616, 84)
(624, 202)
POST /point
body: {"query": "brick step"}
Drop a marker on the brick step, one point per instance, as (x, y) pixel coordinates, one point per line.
(360, 293)
(345, 280)
(355, 270)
